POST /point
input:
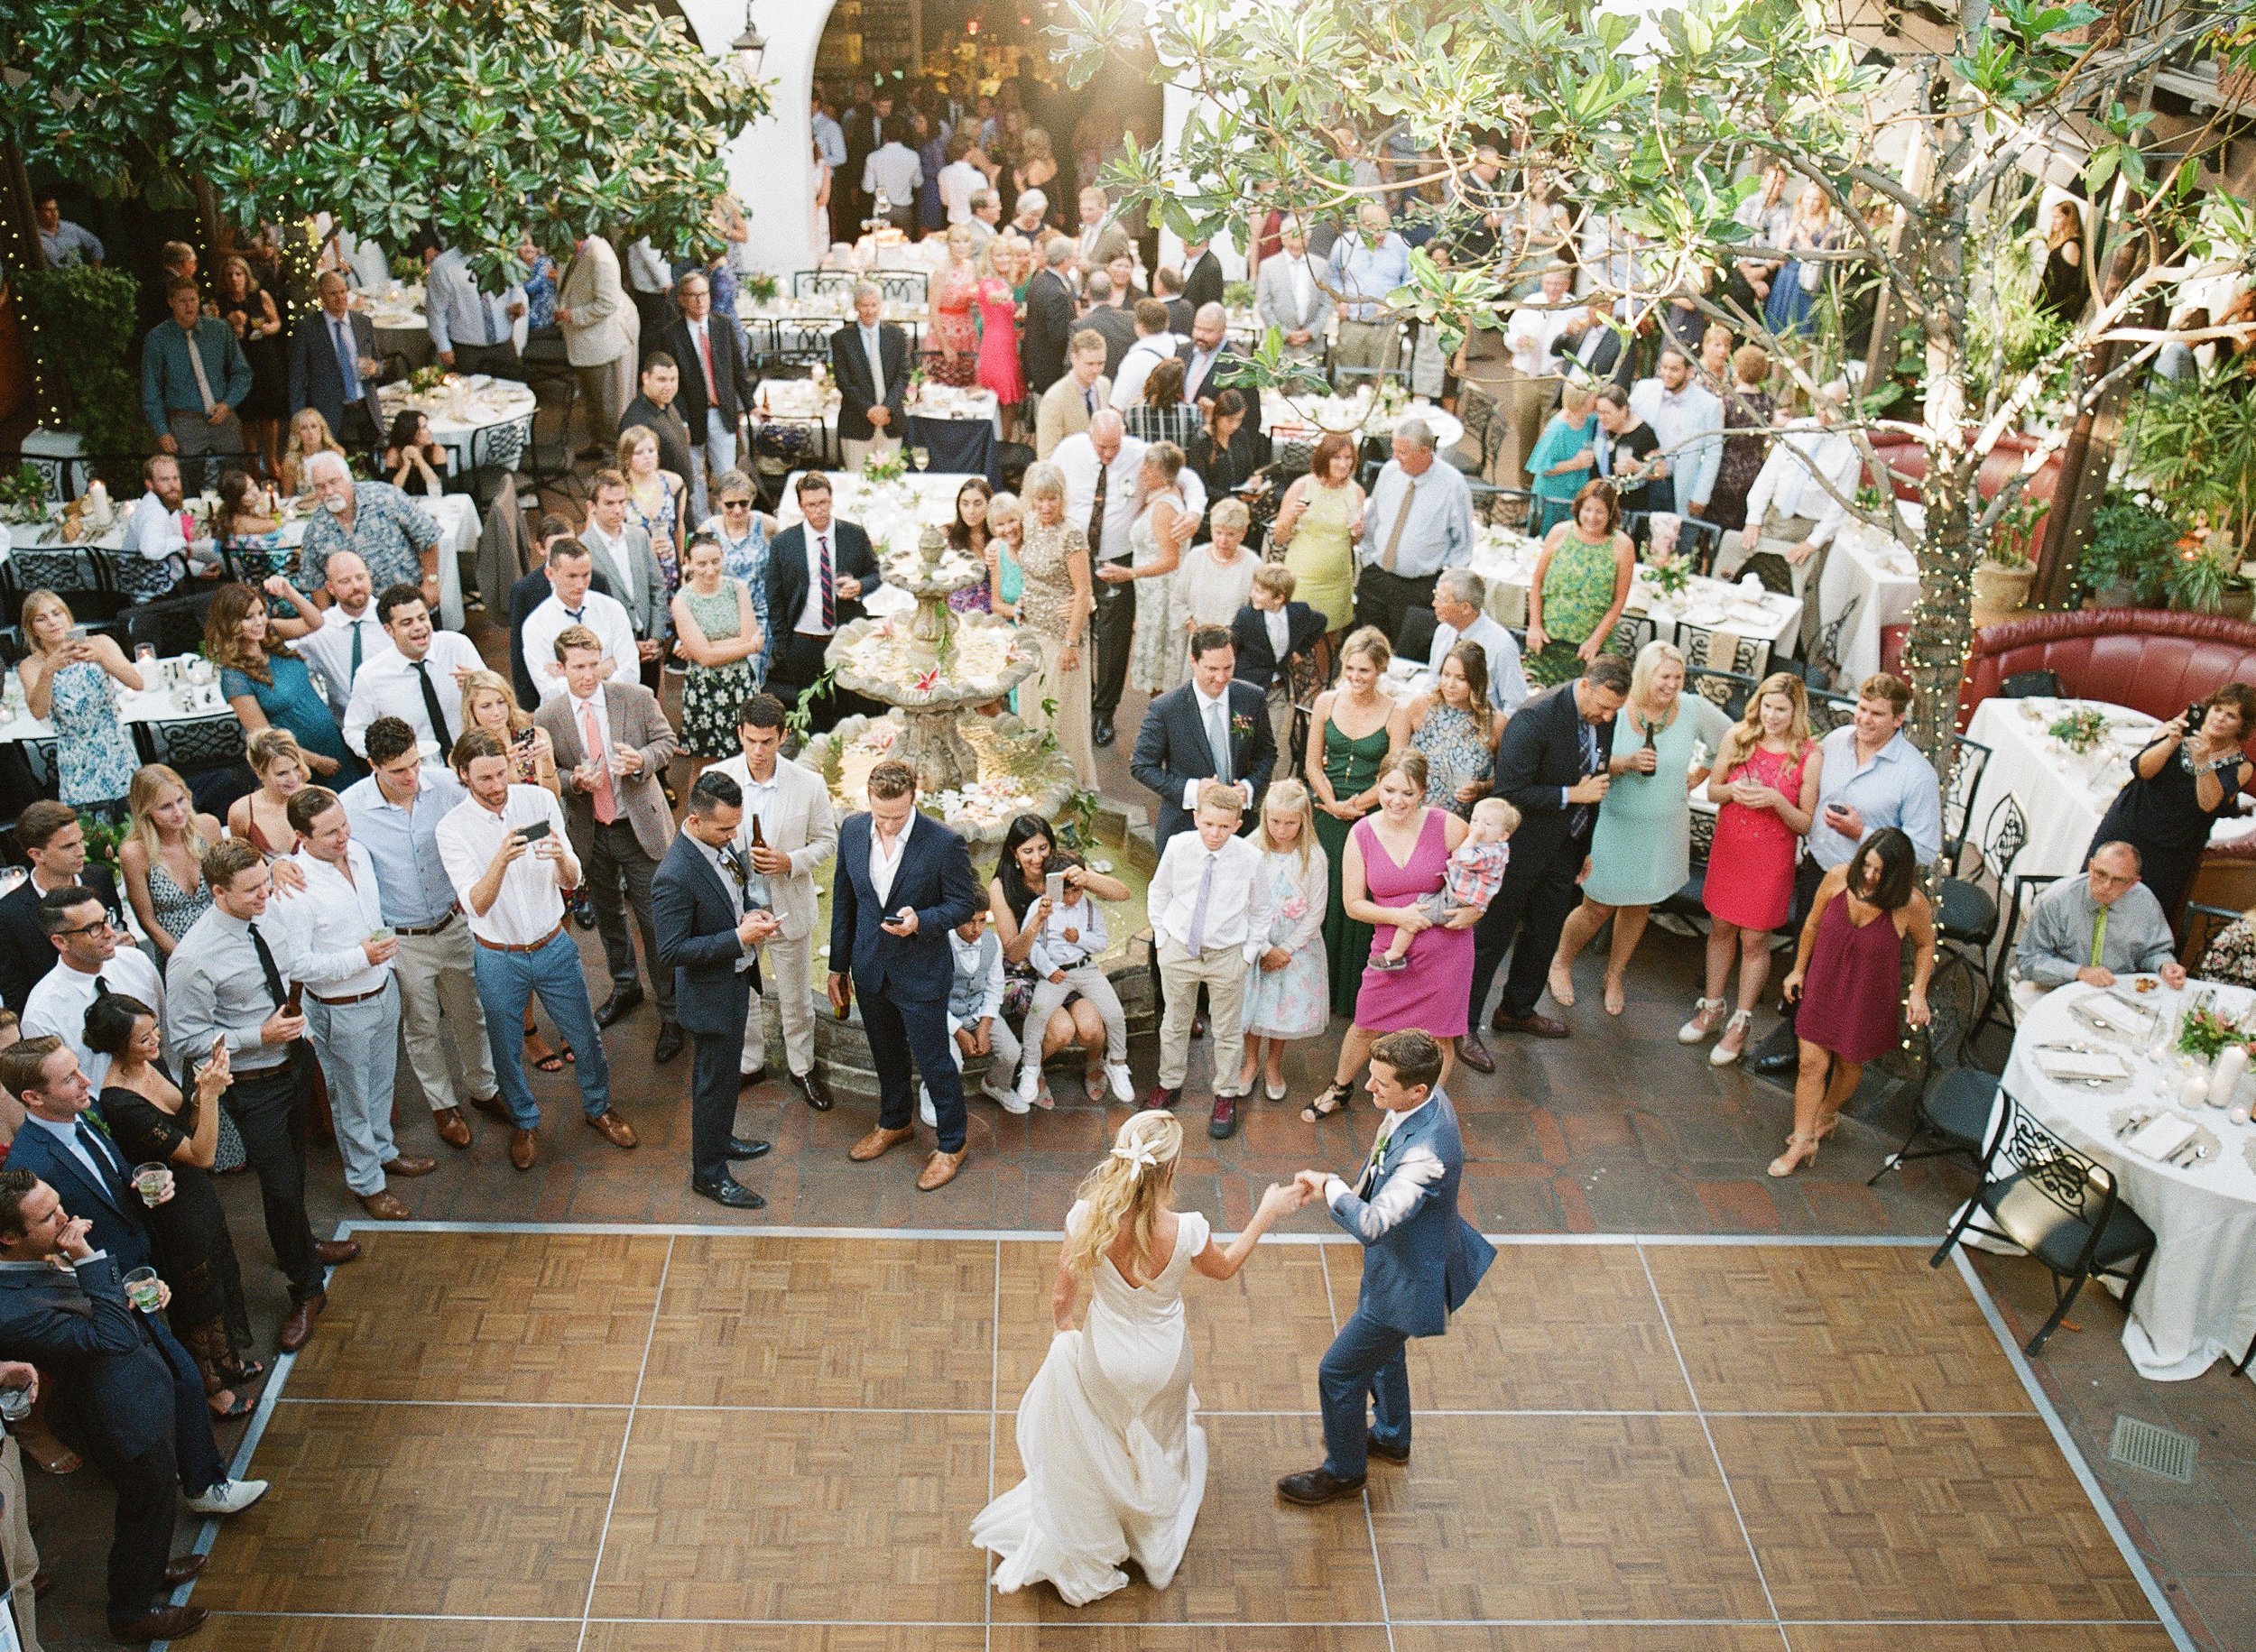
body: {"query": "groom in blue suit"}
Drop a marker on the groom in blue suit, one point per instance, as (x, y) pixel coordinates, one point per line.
(903, 882)
(1420, 1262)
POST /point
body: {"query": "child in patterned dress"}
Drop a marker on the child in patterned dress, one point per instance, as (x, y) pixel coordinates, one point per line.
(1476, 871)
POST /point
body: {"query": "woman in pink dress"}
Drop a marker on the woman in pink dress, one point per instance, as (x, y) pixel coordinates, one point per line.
(1765, 785)
(1392, 857)
(1848, 974)
(998, 329)
(951, 342)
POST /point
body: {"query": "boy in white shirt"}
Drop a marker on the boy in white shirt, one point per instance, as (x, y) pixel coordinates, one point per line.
(975, 1015)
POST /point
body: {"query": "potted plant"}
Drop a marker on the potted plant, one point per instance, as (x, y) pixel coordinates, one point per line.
(2195, 444)
(2197, 575)
(81, 324)
(2127, 561)
(1238, 296)
(2001, 582)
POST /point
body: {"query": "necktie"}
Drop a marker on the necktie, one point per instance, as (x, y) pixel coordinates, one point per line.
(1089, 400)
(1096, 514)
(1196, 943)
(2099, 934)
(830, 582)
(353, 670)
(92, 1144)
(574, 614)
(439, 730)
(267, 966)
(744, 873)
(591, 737)
(704, 351)
(871, 348)
(196, 367)
(1218, 741)
(1402, 521)
(1586, 747)
(348, 360)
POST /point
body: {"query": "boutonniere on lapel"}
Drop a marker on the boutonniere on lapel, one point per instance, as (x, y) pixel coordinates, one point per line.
(1240, 724)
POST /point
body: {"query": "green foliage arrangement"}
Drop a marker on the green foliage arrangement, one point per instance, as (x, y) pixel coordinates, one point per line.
(80, 326)
(2132, 544)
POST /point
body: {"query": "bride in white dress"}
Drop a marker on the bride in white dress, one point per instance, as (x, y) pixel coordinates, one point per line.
(1115, 1461)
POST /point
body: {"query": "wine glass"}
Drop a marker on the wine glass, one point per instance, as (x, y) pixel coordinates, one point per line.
(923, 457)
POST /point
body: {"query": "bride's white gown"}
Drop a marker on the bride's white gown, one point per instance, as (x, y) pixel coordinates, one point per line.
(1115, 1466)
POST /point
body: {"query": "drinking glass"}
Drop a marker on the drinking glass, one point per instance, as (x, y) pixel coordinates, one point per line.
(143, 1290)
(922, 456)
(151, 1181)
(15, 1404)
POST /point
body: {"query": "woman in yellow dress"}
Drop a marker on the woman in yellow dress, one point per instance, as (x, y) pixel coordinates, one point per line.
(1318, 524)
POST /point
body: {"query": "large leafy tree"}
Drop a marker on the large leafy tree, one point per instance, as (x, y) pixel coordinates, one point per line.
(487, 119)
(1650, 129)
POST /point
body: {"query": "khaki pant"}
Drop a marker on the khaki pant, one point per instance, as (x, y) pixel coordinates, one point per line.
(1778, 535)
(437, 976)
(788, 968)
(879, 447)
(601, 400)
(1221, 970)
(1528, 401)
(16, 1540)
(1368, 343)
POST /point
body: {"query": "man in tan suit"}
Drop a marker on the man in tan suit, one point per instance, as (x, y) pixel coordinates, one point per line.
(600, 331)
(612, 744)
(1066, 407)
(797, 833)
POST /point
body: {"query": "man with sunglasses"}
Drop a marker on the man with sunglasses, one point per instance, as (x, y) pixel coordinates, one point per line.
(47, 835)
(78, 927)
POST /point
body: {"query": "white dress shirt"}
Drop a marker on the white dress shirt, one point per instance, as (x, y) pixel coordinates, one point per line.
(1335, 1188)
(153, 532)
(528, 906)
(1787, 486)
(1205, 705)
(328, 920)
(389, 687)
(883, 866)
(606, 616)
(809, 622)
(1541, 327)
(646, 271)
(1690, 424)
(1507, 679)
(894, 173)
(1124, 493)
(960, 181)
(58, 1003)
(1237, 902)
(456, 312)
(328, 647)
(1136, 366)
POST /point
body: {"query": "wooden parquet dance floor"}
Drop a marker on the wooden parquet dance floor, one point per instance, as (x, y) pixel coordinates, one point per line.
(544, 1440)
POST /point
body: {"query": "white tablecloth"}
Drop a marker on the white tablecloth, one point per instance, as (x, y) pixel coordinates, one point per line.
(1506, 560)
(2198, 1299)
(1869, 568)
(153, 703)
(2062, 795)
(460, 408)
(1284, 416)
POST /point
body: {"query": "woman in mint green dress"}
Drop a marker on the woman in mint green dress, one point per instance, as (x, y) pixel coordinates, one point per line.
(1350, 734)
(1580, 587)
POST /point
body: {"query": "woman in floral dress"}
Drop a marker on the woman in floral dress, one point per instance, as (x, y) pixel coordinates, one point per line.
(1157, 658)
(1287, 995)
(1580, 586)
(655, 499)
(716, 632)
(1055, 604)
(1457, 730)
(952, 343)
(743, 531)
(968, 532)
(73, 681)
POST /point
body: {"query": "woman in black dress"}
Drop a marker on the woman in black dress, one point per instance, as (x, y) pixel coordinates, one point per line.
(152, 1123)
(1229, 453)
(2180, 786)
(249, 308)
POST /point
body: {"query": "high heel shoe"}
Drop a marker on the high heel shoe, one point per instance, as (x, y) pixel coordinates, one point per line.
(1734, 1043)
(1562, 984)
(1334, 1097)
(1705, 1013)
(1828, 1124)
(1793, 1158)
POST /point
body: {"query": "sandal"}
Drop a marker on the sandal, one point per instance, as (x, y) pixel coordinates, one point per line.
(1734, 1043)
(1616, 998)
(1335, 1096)
(239, 1370)
(1705, 1013)
(239, 1405)
(1795, 1157)
(1093, 1084)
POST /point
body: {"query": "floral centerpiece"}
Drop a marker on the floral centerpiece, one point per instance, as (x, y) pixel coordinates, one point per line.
(23, 495)
(426, 379)
(1671, 575)
(761, 287)
(2081, 730)
(879, 469)
(2203, 1033)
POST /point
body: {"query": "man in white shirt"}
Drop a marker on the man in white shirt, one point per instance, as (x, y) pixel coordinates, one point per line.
(893, 175)
(505, 851)
(1461, 615)
(797, 833)
(344, 951)
(161, 544)
(1210, 915)
(349, 635)
(959, 179)
(1689, 420)
(571, 602)
(1534, 326)
(1154, 344)
(419, 682)
(622, 556)
(1792, 515)
(77, 925)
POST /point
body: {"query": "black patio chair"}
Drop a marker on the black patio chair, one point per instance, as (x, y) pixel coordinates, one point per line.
(1728, 691)
(1958, 1107)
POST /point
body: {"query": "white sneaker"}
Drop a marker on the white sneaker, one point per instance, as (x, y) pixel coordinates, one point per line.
(229, 1496)
(1002, 1096)
(1124, 1087)
(924, 1108)
(1029, 1085)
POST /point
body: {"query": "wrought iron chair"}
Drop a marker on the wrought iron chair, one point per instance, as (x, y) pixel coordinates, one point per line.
(1965, 784)
(2063, 1208)
(1750, 659)
(1828, 712)
(1630, 633)
(1967, 918)
(175, 626)
(495, 450)
(807, 283)
(1728, 691)
(1825, 658)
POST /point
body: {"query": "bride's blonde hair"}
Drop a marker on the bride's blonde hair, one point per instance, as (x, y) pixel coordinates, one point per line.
(1127, 1190)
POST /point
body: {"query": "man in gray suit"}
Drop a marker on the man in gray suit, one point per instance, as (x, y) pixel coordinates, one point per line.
(1420, 1262)
(1289, 296)
(622, 555)
(334, 366)
(612, 744)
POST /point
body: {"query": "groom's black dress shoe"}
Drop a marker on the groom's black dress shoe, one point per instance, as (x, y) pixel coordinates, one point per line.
(727, 1190)
(1317, 1487)
(1397, 1454)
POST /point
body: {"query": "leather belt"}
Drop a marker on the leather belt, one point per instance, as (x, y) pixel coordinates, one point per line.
(515, 946)
(357, 998)
(428, 929)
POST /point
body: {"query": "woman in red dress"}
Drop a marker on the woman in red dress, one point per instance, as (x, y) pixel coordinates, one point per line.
(1847, 972)
(1765, 785)
(998, 328)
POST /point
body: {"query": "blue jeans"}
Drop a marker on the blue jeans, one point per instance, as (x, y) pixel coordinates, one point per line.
(195, 1454)
(1365, 1358)
(505, 979)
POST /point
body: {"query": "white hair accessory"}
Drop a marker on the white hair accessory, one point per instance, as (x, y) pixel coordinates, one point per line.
(1137, 1154)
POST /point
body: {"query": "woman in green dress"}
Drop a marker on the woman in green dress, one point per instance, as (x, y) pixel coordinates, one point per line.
(1581, 585)
(717, 633)
(1352, 731)
(1319, 521)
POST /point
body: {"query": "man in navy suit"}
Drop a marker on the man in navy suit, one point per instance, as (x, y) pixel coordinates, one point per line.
(803, 615)
(904, 880)
(1420, 1262)
(1212, 728)
(710, 915)
(334, 366)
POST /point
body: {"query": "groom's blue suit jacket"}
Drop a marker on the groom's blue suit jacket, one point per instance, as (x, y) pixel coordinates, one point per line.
(1421, 1259)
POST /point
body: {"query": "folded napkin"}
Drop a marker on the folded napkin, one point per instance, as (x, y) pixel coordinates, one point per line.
(2108, 1011)
(2161, 1136)
(1753, 614)
(2078, 1064)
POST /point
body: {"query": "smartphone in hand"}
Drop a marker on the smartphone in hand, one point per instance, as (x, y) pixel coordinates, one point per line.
(1054, 887)
(533, 833)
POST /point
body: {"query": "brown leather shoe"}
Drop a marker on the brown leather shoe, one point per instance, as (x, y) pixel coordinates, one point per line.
(412, 1164)
(298, 1324)
(877, 1142)
(385, 1207)
(940, 1169)
(492, 1105)
(612, 1127)
(1475, 1053)
(182, 1568)
(162, 1623)
(452, 1127)
(520, 1149)
(335, 1252)
(1534, 1026)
